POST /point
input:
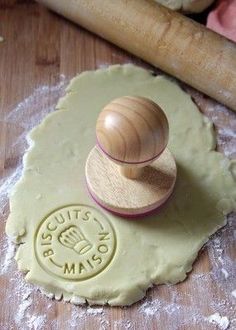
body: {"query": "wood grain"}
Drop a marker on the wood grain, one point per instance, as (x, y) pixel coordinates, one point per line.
(132, 130)
(27, 61)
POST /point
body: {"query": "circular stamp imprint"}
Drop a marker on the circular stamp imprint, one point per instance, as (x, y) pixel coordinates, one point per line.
(75, 242)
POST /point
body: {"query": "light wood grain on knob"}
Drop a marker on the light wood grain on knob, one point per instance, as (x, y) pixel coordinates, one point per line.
(132, 130)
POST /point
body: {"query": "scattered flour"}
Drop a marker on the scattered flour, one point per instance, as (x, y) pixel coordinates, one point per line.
(25, 303)
(124, 325)
(179, 308)
(21, 119)
(227, 132)
(150, 308)
(221, 321)
(226, 274)
(36, 322)
(6, 183)
(7, 248)
(94, 311)
(234, 293)
(76, 317)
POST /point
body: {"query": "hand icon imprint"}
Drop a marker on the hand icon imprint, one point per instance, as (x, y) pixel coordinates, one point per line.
(73, 238)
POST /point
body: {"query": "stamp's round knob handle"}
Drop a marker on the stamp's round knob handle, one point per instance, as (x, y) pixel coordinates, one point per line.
(133, 132)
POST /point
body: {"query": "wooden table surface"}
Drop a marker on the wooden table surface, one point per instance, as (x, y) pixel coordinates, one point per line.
(39, 48)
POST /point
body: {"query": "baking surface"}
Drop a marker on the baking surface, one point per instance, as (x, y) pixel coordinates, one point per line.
(41, 52)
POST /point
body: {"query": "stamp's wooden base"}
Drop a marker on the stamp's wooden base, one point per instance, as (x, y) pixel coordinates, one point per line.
(127, 197)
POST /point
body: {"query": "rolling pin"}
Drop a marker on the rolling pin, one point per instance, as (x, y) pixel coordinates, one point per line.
(162, 37)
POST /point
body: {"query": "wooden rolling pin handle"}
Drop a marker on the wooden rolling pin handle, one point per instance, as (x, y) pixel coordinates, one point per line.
(132, 132)
(164, 38)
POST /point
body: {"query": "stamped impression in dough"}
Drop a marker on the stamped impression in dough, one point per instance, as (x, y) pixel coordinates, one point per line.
(75, 242)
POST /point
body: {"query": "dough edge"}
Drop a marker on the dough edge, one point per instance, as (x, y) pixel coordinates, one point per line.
(186, 6)
(131, 294)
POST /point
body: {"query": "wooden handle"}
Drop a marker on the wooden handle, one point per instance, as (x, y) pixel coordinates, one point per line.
(164, 38)
(133, 132)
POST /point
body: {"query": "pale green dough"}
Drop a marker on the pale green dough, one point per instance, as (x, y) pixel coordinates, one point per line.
(135, 253)
(195, 6)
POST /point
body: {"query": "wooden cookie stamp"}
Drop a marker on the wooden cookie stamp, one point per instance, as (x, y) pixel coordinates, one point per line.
(131, 172)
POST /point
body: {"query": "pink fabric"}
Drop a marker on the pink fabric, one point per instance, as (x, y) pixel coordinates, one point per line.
(222, 19)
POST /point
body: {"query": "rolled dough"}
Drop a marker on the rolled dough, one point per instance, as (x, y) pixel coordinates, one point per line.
(72, 247)
(193, 6)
